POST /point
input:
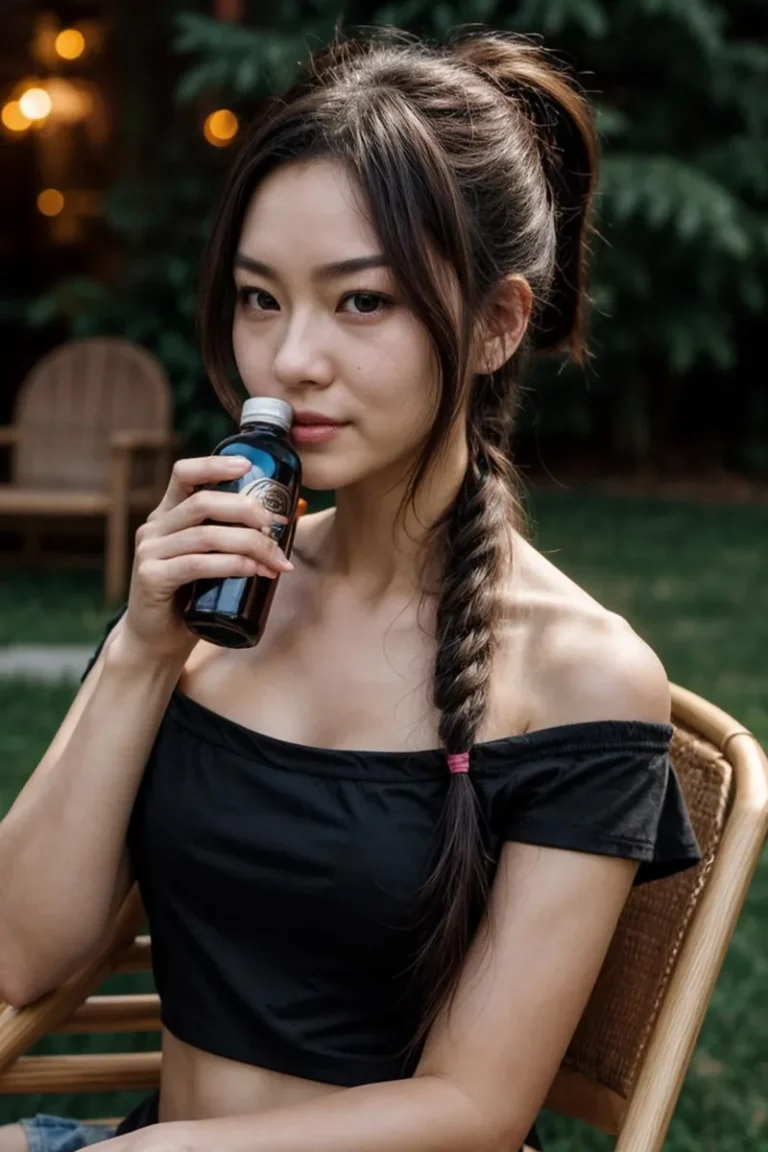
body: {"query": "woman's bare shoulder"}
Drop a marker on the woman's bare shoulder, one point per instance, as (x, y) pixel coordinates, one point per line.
(582, 661)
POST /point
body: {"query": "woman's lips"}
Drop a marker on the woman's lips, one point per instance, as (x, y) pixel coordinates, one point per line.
(314, 433)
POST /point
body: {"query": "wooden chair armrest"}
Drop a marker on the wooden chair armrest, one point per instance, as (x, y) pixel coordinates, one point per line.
(8, 434)
(97, 1072)
(138, 1012)
(131, 441)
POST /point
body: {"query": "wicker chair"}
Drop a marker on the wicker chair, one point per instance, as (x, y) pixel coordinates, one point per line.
(91, 439)
(625, 1066)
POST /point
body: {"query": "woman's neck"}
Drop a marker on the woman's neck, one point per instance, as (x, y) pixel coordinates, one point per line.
(375, 544)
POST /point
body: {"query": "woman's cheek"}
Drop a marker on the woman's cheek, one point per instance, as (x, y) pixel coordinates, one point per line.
(249, 356)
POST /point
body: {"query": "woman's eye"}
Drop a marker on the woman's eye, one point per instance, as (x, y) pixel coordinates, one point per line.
(366, 303)
(257, 299)
(355, 304)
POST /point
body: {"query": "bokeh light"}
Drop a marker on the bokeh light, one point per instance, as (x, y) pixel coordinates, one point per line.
(13, 117)
(220, 127)
(50, 202)
(35, 103)
(70, 43)
(70, 101)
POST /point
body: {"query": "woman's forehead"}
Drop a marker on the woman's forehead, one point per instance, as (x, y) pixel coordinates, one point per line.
(314, 206)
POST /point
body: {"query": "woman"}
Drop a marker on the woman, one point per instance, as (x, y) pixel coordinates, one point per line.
(387, 948)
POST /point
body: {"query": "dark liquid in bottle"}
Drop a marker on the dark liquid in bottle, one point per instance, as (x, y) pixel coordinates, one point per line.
(232, 612)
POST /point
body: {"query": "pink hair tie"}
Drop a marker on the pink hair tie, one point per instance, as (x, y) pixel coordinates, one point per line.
(458, 762)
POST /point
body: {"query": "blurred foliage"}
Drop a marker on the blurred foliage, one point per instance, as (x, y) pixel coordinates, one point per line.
(681, 257)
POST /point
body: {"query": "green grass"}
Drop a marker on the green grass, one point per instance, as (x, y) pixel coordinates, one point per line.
(51, 607)
(692, 581)
(30, 713)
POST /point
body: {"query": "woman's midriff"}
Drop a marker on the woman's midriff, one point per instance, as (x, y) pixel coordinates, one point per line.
(197, 1085)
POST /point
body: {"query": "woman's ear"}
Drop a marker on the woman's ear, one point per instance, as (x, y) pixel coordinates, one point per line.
(504, 326)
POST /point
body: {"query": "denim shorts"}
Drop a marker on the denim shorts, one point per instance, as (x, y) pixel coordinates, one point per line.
(57, 1134)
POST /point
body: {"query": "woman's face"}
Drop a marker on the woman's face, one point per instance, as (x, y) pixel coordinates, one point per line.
(336, 343)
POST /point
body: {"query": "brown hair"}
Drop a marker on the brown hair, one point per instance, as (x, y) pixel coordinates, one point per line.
(483, 151)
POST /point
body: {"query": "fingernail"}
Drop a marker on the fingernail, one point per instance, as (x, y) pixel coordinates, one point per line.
(238, 461)
(288, 566)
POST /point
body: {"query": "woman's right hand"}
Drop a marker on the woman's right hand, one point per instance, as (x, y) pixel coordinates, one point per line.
(176, 546)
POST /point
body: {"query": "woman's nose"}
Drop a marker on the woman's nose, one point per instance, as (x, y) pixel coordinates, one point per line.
(302, 356)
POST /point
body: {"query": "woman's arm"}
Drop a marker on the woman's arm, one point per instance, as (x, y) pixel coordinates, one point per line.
(62, 845)
(63, 859)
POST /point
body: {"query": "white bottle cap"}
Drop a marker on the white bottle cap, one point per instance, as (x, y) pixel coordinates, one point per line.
(267, 410)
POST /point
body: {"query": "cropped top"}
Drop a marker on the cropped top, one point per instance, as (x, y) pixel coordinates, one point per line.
(279, 879)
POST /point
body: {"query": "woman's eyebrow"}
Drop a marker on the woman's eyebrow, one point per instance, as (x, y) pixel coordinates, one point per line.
(324, 272)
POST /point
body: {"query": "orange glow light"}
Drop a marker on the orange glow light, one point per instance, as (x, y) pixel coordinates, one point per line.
(13, 117)
(35, 103)
(70, 101)
(50, 202)
(220, 127)
(69, 44)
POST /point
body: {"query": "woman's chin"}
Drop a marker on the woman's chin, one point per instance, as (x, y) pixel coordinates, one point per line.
(324, 476)
(321, 480)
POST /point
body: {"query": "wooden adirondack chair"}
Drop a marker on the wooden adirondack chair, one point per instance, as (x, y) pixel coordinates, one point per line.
(625, 1066)
(91, 438)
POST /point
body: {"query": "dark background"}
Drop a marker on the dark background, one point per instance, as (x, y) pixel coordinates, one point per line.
(677, 384)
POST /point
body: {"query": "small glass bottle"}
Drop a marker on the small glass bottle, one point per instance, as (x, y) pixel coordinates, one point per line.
(232, 611)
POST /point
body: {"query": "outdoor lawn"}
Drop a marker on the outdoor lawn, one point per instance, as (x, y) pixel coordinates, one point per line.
(692, 580)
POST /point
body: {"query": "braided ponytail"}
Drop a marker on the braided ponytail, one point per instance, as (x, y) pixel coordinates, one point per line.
(478, 533)
(476, 551)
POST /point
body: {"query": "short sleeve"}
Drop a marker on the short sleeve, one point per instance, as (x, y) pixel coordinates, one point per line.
(113, 620)
(605, 787)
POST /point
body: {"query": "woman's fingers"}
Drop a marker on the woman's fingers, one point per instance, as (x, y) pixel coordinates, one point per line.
(221, 507)
(204, 538)
(188, 475)
(201, 532)
(166, 576)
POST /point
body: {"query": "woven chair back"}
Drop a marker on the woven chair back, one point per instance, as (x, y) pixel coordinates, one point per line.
(607, 1048)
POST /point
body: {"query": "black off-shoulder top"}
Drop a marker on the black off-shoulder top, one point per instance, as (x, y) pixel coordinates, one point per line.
(280, 880)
